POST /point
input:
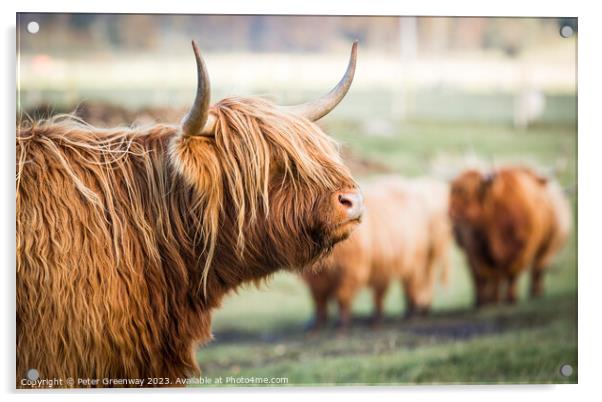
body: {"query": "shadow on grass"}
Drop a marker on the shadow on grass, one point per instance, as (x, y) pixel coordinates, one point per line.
(444, 325)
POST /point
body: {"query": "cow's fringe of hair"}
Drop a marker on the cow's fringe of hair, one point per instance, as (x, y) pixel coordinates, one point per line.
(248, 133)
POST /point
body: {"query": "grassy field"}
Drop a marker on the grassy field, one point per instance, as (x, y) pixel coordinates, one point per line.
(259, 332)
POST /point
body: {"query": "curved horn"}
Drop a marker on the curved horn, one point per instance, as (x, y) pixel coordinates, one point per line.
(194, 123)
(320, 107)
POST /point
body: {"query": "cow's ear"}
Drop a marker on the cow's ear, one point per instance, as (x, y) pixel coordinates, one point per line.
(196, 159)
(489, 178)
(486, 183)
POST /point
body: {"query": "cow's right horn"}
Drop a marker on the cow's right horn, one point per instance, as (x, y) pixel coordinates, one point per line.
(320, 107)
(198, 121)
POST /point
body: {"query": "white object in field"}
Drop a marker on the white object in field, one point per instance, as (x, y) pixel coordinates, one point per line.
(529, 105)
(378, 127)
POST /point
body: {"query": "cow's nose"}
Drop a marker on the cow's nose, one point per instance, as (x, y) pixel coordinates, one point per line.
(353, 203)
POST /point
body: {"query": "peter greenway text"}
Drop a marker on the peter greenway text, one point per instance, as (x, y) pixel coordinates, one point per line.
(150, 381)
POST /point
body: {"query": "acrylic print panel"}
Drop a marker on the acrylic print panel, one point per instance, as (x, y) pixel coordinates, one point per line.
(220, 218)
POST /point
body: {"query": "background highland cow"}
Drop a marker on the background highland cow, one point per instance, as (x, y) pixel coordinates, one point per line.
(404, 238)
(508, 221)
(432, 96)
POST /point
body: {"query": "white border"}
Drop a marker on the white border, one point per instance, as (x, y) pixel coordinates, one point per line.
(590, 200)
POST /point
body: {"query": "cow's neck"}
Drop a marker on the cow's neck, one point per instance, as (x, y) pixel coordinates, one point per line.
(227, 275)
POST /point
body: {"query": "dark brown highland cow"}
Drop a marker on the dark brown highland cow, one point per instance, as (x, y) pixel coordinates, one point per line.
(405, 236)
(508, 221)
(127, 239)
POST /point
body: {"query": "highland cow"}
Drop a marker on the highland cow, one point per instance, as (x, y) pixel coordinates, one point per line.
(127, 239)
(405, 235)
(508, 221)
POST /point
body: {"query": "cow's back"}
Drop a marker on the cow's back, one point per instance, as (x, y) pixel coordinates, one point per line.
(89, 269)
(523, 214)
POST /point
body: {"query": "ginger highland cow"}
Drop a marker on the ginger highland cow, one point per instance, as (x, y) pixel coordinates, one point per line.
(404, 236)
(507, 222)
(127, 239)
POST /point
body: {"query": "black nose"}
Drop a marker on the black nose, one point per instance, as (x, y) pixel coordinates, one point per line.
(353, 204)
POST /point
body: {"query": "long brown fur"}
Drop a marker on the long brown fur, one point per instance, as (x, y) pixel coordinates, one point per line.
(508, 221)
(127, 239)
(405, 235)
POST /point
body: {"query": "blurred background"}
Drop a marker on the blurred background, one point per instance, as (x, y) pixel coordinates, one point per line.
(431, 96)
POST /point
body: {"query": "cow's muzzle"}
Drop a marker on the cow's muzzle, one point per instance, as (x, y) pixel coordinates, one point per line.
(351, 203)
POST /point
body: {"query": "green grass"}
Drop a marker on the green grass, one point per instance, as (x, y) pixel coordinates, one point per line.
(413, 148)
(259, 331)
(518, 344)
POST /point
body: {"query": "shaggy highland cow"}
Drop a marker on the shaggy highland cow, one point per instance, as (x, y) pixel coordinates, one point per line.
(127, 239)
(508, 221)
(405, 235)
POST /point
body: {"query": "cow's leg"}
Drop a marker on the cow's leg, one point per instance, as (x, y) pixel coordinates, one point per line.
(543, 260)
(494, 290)
(511, 291)
(424, 310)
(481, 290)
(421, 297)
(320, 314)
(345, 294)
(488, 291)
(321, 292)
(344, 314)
(410, 298)
(536, 289)
(424, 294)
(379, 292)
(482, 285)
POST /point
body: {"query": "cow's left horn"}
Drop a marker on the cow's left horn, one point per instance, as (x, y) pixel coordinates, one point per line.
(197, 121)
(320, 107)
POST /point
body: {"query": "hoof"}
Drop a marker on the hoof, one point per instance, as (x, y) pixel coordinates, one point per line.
(376, 321)
(424, 311)
(312, 326)
(342, 326)
(409, 314)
